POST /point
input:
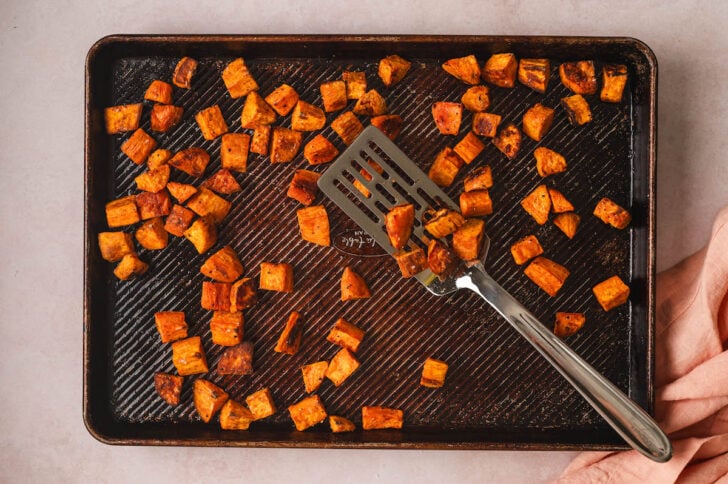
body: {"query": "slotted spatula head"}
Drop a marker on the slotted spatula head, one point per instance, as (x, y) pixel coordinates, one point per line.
(400, 182)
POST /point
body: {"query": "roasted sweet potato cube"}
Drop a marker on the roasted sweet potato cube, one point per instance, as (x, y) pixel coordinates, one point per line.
(614, 79)
(308, 412)
(222, 182)
(171, 325)
(183, 72)
(347, 126)
(238, 80)
(433, 373)
(290, 339)
(164, 117)
(411, 262)
(610, 213)
(568, 323)
(486, 124)
(549, 162)
(235, 416)
(242, 294)
(447, 117)
(559, 203)
(304, 186)
(276, 277)
(464, 68)
(153, 205)
(178, 220)
(169, 387)
(234, 152)
(356, 84)
(313, 375)
(223, 265)
(341, 366)
(129, 266)
(120, 119)
(526, 249)
(282, 99)
(481, 178)
(373, 166)
(577, 109)
(158, 158)
(206, 202)
(392, 69)
(215, 296)
(371, 103)
(285, 145)
(153, 180)
(261, 404)
(209, 398)
(373, 418)
(139, 146)
(445, 167)
(181, 191)
(534, 73)
(188, 356)
(151, 235)
(211, 122)
(333, 95)
(443, 222)
(538, 204)
(340, 424)
(202, 233)
(467, 241)
(500, 70)
(389, 124)
(313, 222)
(261, 140)
(398, 222)
(508, 141)
(122, 211)
(307, 117)
(441, 260)
(115, 245)
(192, 161)
(476, 99)
(537, 121)
(256, 112)
(319, 150)
(611, 293)
(236, 360)
(353, 286)
(469, 147)
(568, 223)
(547, 274)
(346, 335)
(579, 77)
(159, 92)
(476, 203)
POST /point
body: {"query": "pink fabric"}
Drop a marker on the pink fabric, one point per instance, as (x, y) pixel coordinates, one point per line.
(691, 377)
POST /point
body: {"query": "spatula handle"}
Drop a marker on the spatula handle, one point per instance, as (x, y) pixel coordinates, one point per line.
(625, 416)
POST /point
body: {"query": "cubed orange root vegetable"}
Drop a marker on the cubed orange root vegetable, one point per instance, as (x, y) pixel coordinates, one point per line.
(389, 124)
(614, 80)
(171, 325)
(479, 179)
(169, 387)
(371, 103)
(433, 373)
(356, 84)
(242, 294)
(476, 203)
(441, 260)
(188, 356)
(568, 323)
(549, 162)
(202, 233)
(559, 203)
(261, 404)
(508, 141)
(283, 99)
(346, 335)
(464, 68)
(500, 70)
(139, 146)
(313, 375)
(183, 72)
(398, 223)
(611, 293)
(381, 418)
(467, 241)
(285, 145)
(353, 286)
(610, 213)
(215, 296)
(340, 424)
(164, 117)
(236, 360)
(304, 187)
(256, 112)
(476, 99)
(538, 204)
(534, 73)
(115, 245)
(290, 339)
(120, 119)
(276, 277)
(319, 150)
(443, 222)
(129, 266)
(469, 147)
(568, 223)
(547, 274)
(235, 416)
(347, 126)
(227, 328)
(579, 77)
(234, 149)
(211, 122)
(192, 161)
(238, 80)
(526, 249)
(577, 109)
(223, 182)
(209, 398)
(333, 95)
(341, 366)
(447, 116)
(151, 234)
(308, 412)
(537, 121)
(313, 222)
(445, 167)
(411, 262)
(307, 117)
(392, 69)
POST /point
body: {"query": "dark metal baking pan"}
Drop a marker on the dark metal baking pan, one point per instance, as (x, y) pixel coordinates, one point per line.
(499, 393)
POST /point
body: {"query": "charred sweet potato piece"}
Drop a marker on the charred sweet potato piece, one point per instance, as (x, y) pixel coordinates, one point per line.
(188, 356)
(445, 168)
(115, 245)
(476, 203)
(178, 220)
(181, 191)
(537, 121)
(153, 180)
(371, 103)
(235, 416)
(307, 117)
(443, 222)
(192, 161)
(356, 84)
(211, 122)
(238, 79)
(202, 233)
(526, 249)
(500, 70)
(319, 150)
(346, 335)
(333, 95)
(227, 330)
(440, 259)
(579, 77)
(538, 204)
(577, 109)
(223, 265)
(568, 223)
(534, 73)
(183, 72)
(340, 424)
(120, 119)
(282, 99)
(508, 141)
(341, 366)
(614, 79)
(151, 234)
(261, 404)
(215, 296)
(373, 418)
(159, 92)
(373, 166)
(476, 99)
(234, 151)
(206, 202)
(158, 158)
(568, 323)
(153, 205)
(347, 126)
(610, 213)
(411, 262)
(122, 211)
(290, 339)
(398, 223)
(242, 294)
(447, 116)
(164, 117)
(313, 222)
(276, 277)
(469, 147)
(304, 186)
(547, 274)
(285, 145)
(611, 293)
(129, 266)
(464, 68)
(169, 387)
(261, 140)
(392, 69)
(222, 182)
(433, 373)
(467, 241)
(139, 146)
(209, 398)
(313, 375)
(389, 124)
(480, 179)
(308, 412)
(256, 112)
(353, 286)
(171, 325)
(486, 124)
(559, 203)
(237, 360)
(549, 162)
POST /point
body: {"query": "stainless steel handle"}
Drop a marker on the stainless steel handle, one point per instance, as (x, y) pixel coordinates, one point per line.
(626, 417)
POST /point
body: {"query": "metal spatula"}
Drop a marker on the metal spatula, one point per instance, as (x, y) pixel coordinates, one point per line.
(401, 181)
